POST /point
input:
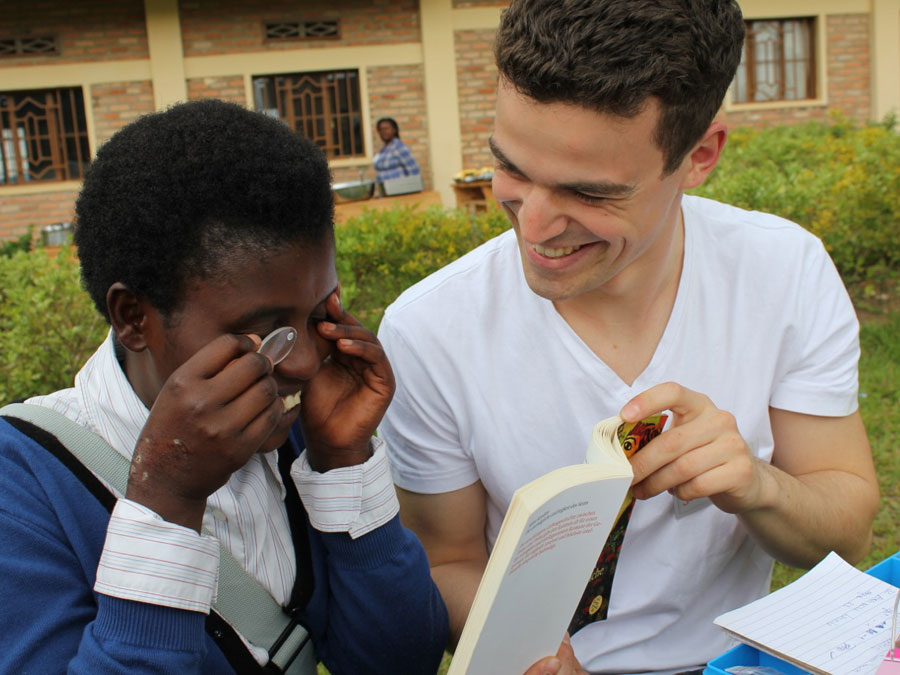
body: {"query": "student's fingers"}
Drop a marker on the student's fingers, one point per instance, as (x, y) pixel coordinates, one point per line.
(336, 311)
(213, 357)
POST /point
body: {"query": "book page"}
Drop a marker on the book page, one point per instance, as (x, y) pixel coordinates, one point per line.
(545, 575)
(833, 619)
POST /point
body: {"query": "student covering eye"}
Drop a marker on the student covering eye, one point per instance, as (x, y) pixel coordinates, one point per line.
(199, 230)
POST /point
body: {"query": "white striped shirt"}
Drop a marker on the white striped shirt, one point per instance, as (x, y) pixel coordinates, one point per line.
(150, 560)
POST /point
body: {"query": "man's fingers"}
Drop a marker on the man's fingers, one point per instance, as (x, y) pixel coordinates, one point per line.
(683, 402)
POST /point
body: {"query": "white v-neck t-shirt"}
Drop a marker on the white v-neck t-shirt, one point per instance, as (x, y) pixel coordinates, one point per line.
(494, 385)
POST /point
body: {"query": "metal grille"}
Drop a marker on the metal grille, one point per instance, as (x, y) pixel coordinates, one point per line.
(43, 136)
(23, 46)
(302, 30)
(324, 107)
(778, 63)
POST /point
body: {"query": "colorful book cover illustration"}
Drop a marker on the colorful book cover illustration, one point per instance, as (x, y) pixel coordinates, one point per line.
(594, 604)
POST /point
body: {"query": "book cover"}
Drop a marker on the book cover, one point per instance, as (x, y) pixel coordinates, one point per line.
(550, 543)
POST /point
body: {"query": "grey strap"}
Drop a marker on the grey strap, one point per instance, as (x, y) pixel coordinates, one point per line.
(241, 600)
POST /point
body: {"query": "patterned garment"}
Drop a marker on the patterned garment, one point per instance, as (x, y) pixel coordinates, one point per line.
(395, 160)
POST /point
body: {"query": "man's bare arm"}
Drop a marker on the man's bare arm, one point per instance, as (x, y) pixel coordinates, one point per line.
(820, 493)
(450, 526)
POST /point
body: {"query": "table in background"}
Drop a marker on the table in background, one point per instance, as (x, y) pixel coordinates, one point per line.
(474, 196)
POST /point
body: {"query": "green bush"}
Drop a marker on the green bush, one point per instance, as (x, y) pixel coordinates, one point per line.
(48, 324)
(840, 181)
(381, 253)
(13, 246)
(49, 327)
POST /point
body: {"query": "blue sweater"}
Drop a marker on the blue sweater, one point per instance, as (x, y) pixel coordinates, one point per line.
(374, 608)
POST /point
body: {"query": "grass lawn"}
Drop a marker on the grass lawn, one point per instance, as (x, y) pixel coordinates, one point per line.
(879, 403)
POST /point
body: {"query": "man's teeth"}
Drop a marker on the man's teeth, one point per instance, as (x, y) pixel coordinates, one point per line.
(291, 401)
(555, 252)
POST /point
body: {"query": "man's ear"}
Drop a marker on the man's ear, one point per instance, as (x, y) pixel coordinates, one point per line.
(128, 316)
(705, 155)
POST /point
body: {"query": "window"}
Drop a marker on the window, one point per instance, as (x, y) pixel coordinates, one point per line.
(778, 63)
(285, 31)
(43, 136)
(324, 107)
(27, 46)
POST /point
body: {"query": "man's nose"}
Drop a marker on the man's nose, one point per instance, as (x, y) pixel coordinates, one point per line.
(540, 215)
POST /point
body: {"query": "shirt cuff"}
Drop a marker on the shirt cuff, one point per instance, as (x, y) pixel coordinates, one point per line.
(353, 499)
(147, 559)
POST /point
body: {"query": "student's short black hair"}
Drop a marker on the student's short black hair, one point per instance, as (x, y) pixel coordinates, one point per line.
(171, 196)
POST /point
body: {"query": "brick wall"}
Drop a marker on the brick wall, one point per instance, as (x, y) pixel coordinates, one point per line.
(225, 88)
(20, 211)
(115, 104)
(848, 83)
(399, 92)
(87, 30)
(229, 26)
(476, 77)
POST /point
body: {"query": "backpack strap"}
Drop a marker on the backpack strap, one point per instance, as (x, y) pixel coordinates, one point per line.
(241, 600)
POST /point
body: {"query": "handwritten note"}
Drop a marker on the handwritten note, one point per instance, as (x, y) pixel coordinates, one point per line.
(834, 619)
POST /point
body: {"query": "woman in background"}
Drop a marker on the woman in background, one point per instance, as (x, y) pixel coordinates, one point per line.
(394, 160)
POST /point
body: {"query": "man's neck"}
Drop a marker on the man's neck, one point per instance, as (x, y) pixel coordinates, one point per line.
(623, 321)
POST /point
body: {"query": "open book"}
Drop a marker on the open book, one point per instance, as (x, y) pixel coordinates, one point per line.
(546, 552)
(834, 620)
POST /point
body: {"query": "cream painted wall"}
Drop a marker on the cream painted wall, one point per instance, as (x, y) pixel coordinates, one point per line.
(441, 97)
(885, 58)
(166, 52)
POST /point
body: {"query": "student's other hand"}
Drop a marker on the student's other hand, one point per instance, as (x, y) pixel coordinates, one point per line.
(211, 415)
(564, 663)
(345, 401)
(701, 455)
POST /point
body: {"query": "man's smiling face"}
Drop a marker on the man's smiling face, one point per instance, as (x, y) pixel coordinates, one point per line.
(584, 191)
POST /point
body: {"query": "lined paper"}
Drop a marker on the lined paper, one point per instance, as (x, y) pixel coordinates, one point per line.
(834, 619)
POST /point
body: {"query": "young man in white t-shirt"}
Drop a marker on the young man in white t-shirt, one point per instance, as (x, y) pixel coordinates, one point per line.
(614, 293)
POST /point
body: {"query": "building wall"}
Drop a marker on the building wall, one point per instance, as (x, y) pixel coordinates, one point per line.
(115, 104)
(86, 31)
(476, 84)
(427, 63)
(232, 26)
(36, 209)
(227, 88)
(847, 81)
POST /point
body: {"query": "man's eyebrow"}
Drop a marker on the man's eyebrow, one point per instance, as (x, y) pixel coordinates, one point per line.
(600, 188)
(503, 159)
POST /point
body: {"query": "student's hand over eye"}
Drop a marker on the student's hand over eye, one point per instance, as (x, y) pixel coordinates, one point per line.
(344, 402)
(211, 415)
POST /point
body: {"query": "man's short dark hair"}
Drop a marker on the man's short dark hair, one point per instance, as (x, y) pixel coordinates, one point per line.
(173, 195)
(613, 55)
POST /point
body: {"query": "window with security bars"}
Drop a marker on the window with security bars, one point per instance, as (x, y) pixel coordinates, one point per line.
(323, 106)
(778, 62)
(43, 136)
(283, 31)
(27, 46)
